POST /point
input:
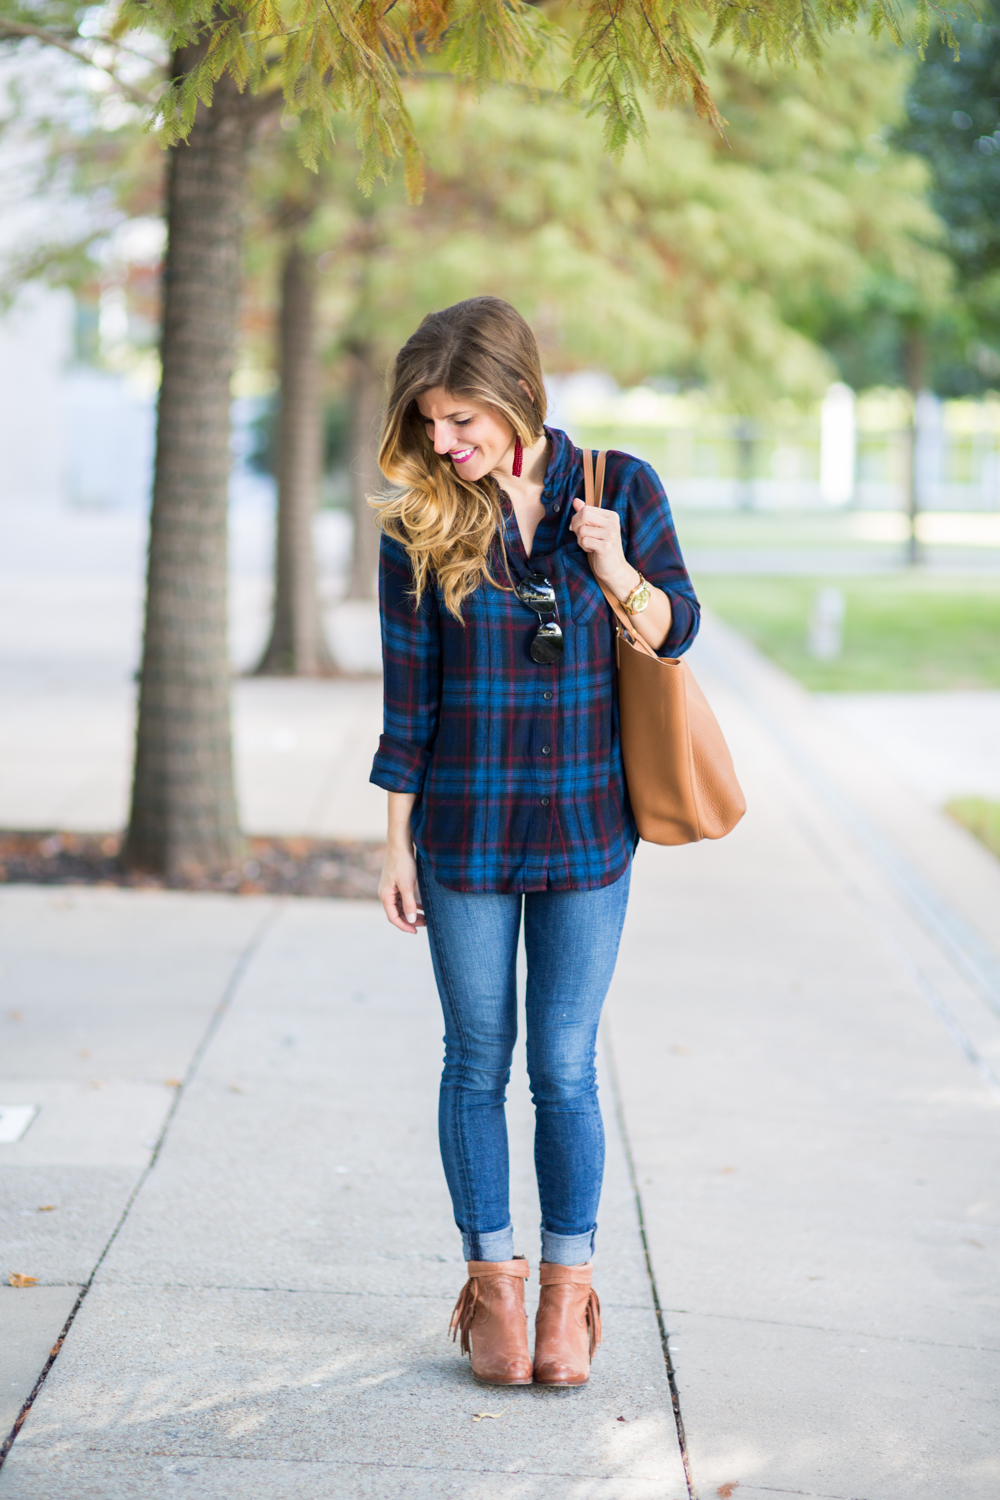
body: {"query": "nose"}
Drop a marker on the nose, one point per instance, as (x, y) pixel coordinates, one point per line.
(442, 438)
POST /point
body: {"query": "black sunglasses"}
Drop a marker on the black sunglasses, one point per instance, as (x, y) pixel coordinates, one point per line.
(537, 592)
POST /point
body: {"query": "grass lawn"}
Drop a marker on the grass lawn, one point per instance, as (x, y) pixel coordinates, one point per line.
(980, 817)
(902, 631)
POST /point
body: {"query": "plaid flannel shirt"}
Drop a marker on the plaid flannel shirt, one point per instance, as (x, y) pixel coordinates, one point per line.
(517, 767)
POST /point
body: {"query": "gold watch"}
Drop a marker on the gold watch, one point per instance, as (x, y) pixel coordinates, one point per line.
(638, 599)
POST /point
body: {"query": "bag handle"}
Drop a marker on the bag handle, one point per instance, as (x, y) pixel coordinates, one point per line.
(593, 493)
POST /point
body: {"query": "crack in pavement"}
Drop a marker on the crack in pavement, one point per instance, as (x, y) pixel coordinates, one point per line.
(225, 1000)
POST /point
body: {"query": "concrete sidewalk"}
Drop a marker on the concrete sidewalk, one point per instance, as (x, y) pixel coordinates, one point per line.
(803, 1038)
(71, 587)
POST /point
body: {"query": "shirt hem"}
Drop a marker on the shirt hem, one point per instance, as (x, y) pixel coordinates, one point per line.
(519, 885)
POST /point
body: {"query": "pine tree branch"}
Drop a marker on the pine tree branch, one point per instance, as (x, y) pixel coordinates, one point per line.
(51, 39)
(511, 85)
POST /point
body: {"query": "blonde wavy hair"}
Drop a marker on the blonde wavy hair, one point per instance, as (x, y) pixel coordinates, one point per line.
(479, 349)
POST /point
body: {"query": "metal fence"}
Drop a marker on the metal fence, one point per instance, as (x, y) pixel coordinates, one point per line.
(850, 452)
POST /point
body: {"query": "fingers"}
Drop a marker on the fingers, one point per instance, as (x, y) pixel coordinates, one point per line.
(409, 903)
(596, 530)
(397, 889)
(401, 904)
(389, 897)
(592, 517)
(400, 912)
(578, 505)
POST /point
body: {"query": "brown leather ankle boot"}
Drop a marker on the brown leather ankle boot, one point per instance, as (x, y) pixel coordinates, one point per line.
(493, 1323)
(568, 1325)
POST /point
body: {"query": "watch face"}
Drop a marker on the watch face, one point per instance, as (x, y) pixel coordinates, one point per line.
(639, 597)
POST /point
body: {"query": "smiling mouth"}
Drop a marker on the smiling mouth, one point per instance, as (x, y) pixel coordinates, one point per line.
(461, 455)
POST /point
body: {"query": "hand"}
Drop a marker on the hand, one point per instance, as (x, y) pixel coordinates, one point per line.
(599, 533)
(397, 890)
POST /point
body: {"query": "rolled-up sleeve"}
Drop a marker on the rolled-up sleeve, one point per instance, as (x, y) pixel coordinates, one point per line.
(653, 548)
(411, 663)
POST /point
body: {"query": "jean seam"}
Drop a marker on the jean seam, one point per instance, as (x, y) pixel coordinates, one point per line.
(566, 993)
(585, 1102)
(462, 1156)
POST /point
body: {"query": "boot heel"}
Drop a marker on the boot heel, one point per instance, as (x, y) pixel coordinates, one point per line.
(490, 1316)
(567, 1326)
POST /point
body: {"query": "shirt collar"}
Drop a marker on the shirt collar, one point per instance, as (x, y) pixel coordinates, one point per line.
(562, 460)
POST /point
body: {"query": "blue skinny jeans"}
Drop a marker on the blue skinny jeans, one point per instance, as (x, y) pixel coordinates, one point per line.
(571, 941)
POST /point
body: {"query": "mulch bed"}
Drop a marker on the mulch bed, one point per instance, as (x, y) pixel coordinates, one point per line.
(270, 867)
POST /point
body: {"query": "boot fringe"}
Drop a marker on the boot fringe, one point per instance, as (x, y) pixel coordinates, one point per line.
(463, 1313)
(594, 1321)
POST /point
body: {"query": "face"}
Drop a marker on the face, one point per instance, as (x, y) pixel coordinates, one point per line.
(475, 437)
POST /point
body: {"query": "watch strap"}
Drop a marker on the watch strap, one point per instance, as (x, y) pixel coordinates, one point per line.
(642, 587)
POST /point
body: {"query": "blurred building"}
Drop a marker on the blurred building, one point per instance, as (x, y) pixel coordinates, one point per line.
(76, 431)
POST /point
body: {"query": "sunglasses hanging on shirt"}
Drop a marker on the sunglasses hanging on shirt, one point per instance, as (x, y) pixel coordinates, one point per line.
(537, 592)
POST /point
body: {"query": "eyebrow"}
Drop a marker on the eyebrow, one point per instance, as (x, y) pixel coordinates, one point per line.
(462, 411)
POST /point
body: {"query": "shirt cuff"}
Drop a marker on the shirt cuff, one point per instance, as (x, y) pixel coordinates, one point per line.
(398, 766)
(684, 622)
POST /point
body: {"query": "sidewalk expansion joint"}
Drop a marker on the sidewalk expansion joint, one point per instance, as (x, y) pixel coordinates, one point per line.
(318, 1291)
(771, 1489)
(195, 1456)
(661, 1325)
(906, 961)
(955, 939)
(232, 985)
(847, 1333)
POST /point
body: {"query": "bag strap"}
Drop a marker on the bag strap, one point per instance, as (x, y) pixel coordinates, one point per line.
(593, 493)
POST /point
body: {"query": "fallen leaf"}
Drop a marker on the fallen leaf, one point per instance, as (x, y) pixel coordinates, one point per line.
(727, 1170)
(978, 1244)
(16, 1279)
(621, 1419)
(97, 1083)
(16, 1015)
(478, 1416)
(172, 1083)
(84, 1051)
(237, 1088)
(725, 1490)
(47, 1208)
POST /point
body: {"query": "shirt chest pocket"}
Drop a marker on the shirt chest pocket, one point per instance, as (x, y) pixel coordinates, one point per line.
(586, 601)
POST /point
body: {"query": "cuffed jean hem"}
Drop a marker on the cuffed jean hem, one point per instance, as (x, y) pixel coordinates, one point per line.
(497, 1245)
(567, 1249)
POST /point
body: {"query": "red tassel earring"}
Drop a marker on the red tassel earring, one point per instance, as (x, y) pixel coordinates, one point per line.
(518, 458)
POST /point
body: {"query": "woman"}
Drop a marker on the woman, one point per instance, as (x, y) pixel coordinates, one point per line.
(506, 790)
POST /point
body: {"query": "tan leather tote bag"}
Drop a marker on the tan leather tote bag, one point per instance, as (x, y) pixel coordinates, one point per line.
(680, 774)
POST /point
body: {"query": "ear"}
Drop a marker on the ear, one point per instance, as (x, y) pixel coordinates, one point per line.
(526, 387)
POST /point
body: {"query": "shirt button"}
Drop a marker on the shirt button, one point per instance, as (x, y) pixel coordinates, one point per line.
(546, 749)
(545, 801)
(557, 508)
(547, 696)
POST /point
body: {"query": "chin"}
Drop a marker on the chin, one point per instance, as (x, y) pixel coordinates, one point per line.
(473, 470)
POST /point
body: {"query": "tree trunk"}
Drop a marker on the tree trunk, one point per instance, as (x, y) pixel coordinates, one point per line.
(183, 818)
(366, 407)
(297, 647)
